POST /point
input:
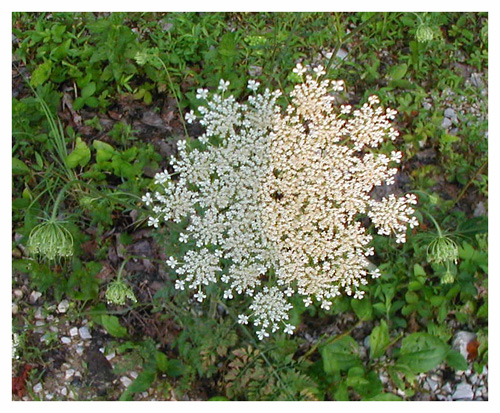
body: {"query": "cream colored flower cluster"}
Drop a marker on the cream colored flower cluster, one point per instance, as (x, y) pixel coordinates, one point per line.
(274, 198)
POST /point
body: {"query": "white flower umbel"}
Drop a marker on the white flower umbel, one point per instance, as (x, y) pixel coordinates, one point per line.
(277, 196)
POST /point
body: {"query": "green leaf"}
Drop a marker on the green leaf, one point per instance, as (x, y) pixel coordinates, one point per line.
(143, 382)
(161, 361)
(79, 156)
(398, 72)
(456, 361)
(379, 339)
(104, 151)
(113, 326)
(411, 297)
(363, 309)
(341, 393)
(418, 270)
(19, 167)
(41, 74)
(88, 90)
(218, 399)
(422, 352)
(385, 397)
(342, 354)
(175, 368)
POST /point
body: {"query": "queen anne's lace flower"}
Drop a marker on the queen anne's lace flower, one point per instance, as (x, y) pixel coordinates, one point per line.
(274, 198)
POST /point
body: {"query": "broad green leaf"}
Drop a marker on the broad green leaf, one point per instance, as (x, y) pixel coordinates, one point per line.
(88, 90)
(41, 73)
(418, 270)
(79, 156)
(19, 167)
(113, 326)
(456, 361)
(363, 309)
(379, 339)
(342, 354)
(104, 151)
(422, 352)
(398, 72)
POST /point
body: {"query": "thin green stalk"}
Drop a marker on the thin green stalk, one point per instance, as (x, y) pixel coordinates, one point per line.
(174, 92)
(464, 190)
(345, 39)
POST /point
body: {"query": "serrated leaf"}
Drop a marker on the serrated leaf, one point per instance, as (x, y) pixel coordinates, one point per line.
(342, 354)
(379, 339)
(41, 74)
(79, 156)
(142, 383)
(112, 326)
(422, 352)
(456, 361)
(161, 361)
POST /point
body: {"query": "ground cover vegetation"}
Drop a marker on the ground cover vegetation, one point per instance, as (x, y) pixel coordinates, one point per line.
(130, 142)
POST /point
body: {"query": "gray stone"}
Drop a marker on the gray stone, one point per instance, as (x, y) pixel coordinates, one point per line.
(34, 296)
(65, 340)
(63, 306)
(84, 333)
(37, 388)
(450, 113)
(463, 392)
(433, 384)
(255, 71)
(476, 81)
(126, 381)
(460, 341)
(480, 210)
(446, 389)
(446, 123)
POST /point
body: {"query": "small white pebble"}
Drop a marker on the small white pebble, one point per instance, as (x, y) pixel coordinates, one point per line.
(15, 309)
(37, 388)
(126, 381)
(73, 331)
(63, 306)
(38, 314)
(110, 356)
(133, 374)
(64, 391)
(18, 293)
(34, 296)
(65, 340)
(84, 333)
(49, 396)
(69, 373)
(79, 350)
